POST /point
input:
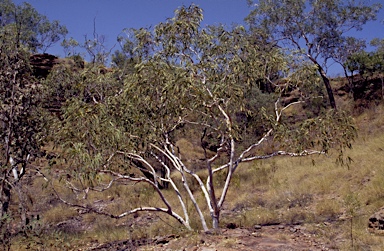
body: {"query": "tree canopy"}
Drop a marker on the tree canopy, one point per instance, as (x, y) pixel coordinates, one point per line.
(22, 125)
(22, 120)
(317, 29)
(206, 85)
(367, 63)
(28, 27)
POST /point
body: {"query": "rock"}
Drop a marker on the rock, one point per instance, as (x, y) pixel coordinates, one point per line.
(165, 239)
(208, 249)
(42, 64)
(231, 225)
(376, 221)
(341, 93)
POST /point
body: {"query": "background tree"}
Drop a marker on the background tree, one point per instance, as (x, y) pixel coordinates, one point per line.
(22, 121)
(191, 82)
(69, 46)
(317, 29)
(28, 27)
(22, 127)
(94, 49)
(341, 56)
(368, 64)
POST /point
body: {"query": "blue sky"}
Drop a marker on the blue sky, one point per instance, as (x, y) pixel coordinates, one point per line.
(112, 16)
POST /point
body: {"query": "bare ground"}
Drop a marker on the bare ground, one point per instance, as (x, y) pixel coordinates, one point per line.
(266, 238)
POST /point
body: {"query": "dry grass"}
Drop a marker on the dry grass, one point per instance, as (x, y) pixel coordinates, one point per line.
(280, 190)
(297, 191)
(229, 243)
(259, 216)
(59, 213)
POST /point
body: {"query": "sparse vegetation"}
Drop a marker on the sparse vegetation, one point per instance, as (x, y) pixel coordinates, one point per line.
(186, 126)
(278, 191)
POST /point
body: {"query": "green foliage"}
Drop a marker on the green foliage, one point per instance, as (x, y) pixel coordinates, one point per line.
(221, 84)
(367, 64)
(320, 24)
(317, 29)
(22, 120)
(329, 131)
(86, 100)
(28, 28)
(22, 130)
(20, 117)
(94, 48)
(69, 46)
(178, 63)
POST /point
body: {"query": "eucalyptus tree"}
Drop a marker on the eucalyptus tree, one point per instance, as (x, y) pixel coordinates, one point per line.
(318, 29)
(367, 63)
(30, 28)
(190, 82)
(21, 128)
(22, 124)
